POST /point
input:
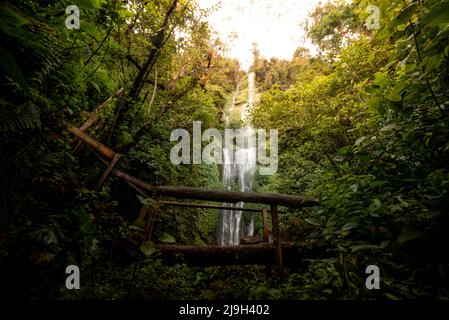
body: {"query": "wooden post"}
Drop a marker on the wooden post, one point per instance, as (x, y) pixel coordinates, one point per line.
(151, 218)
(108, 170)
(92, 142)
(219, 195)
(277, 242)
(266, 236)
(142, 213)
(266, 228)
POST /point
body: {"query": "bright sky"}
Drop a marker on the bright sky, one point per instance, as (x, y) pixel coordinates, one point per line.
(275, 25)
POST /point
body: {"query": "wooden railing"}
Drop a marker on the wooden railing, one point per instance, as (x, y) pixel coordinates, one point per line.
(148, 215)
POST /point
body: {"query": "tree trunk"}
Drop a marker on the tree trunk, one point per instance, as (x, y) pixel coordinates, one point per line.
(157, 44)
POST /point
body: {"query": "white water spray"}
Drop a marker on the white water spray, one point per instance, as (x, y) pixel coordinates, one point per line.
(240, 170)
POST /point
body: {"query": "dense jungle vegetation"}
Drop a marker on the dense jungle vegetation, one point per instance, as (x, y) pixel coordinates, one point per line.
(363, 127)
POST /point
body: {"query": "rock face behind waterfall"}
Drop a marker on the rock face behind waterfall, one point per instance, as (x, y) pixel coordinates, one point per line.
(239, 169)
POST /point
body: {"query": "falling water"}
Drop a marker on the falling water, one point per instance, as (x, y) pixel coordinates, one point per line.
(240, 172)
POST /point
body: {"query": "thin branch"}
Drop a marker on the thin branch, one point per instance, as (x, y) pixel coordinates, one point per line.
(104, 39)
(176, 24)
(333, 164)
(429, 86)
(133, 61)
(101, 62)
(165, 40)
(154, 92)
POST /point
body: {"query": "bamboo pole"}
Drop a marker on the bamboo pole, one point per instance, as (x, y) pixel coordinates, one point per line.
(108, 170)
(92, 142)
(198, 193)
(261, 254)
(93, 117)
(277, 242)
(142, 214)
(219, 195)
(266, 228)
(208, 206)
(151, 218)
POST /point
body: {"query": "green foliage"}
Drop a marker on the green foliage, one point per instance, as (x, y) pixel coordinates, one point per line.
(147, 248)
(363, 127)
(369, 137)
(53, 77)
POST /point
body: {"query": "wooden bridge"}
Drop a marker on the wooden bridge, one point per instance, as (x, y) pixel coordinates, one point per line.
(264, 253)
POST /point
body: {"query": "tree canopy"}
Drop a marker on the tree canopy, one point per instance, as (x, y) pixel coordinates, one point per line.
(363, 126)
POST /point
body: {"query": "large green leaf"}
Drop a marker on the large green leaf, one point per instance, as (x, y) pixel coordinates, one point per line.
(391, 296)
(409, 234)
(405, 15)
(360, 140)
(345, 151)
(396, 92)
(362, 247)
(349, 226)
(166, 238)
(389, 127)
(381, 79)
(433, 63)
(11, 18)
(438, 14)
(378, 183)
(148, 248)
(313, 221)
(11, 70)
(147, 202)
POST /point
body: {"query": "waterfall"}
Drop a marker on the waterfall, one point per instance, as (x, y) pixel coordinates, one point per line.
(239, 169)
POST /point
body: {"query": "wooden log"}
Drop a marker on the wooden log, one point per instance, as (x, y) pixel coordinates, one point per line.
(198, 193)
(266, 236)
(89, 122)
(257, 254)
(92, 142)
(218, 255)
(207, 206)
(277, 242)
(266, 228)
(220, 195)
(93, 117)
(108, 170)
